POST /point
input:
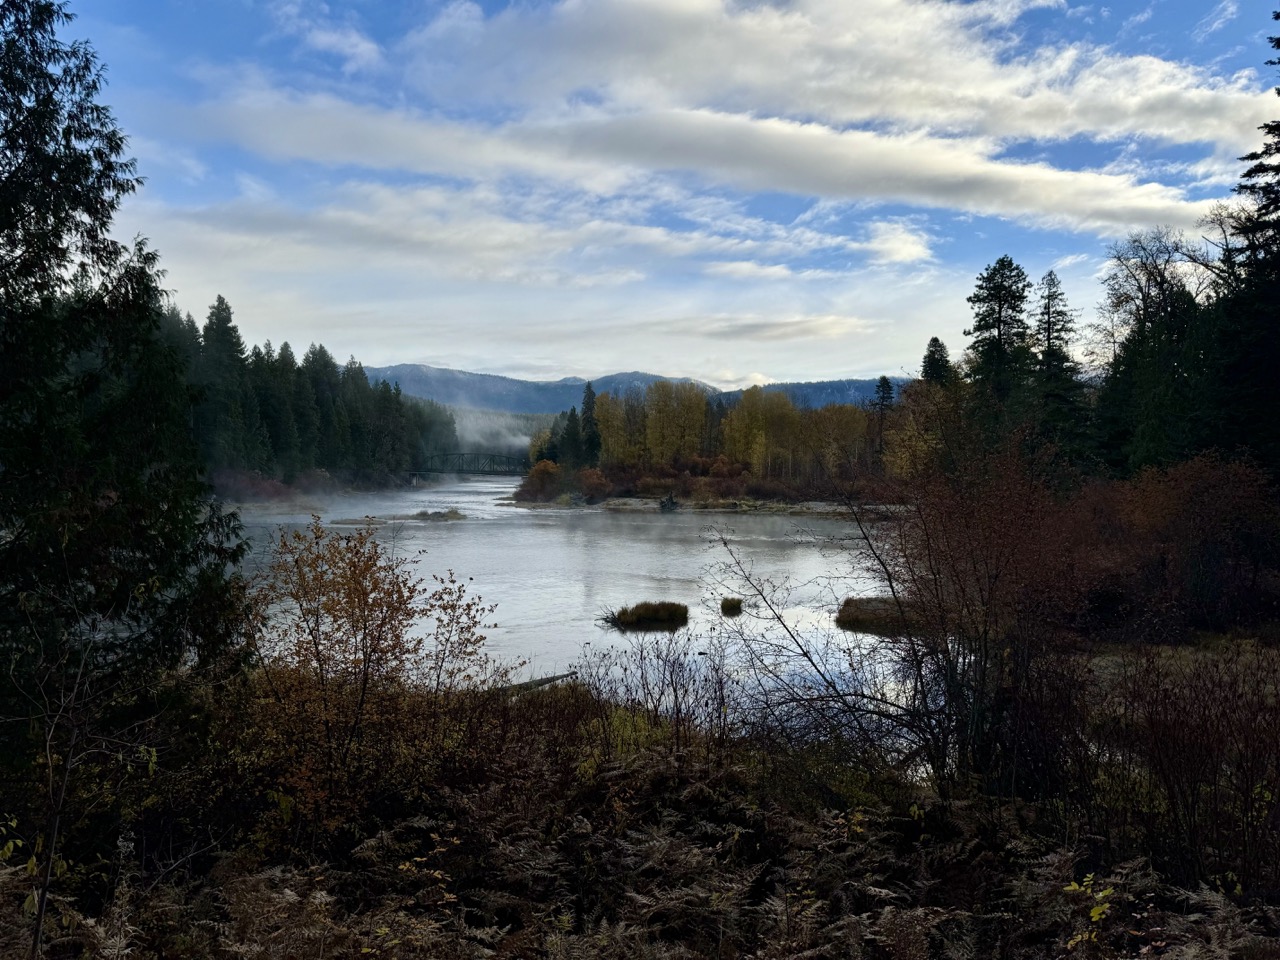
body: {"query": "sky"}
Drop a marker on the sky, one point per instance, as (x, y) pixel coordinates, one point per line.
(739, 191)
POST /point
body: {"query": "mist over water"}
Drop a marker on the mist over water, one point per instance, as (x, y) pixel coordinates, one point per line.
(551, 572)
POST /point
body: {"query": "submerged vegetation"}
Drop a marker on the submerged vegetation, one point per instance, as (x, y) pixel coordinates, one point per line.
(1065, 741)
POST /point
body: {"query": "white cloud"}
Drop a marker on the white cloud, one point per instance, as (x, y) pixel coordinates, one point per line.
(831, 61)
(312, 23)
(721, 181)
(155, 155)
(606, 153)
(1138, 19)
(896, 241)
(1070, 260)
(770, 328)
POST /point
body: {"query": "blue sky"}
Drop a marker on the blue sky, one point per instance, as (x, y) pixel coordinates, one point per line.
(735, 190)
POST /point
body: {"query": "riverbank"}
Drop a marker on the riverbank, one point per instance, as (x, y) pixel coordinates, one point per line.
(641, 505)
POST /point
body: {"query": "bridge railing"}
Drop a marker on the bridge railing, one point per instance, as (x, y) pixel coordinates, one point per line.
(475, 463)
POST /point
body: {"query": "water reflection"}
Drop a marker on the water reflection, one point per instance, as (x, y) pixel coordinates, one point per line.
(552, 572)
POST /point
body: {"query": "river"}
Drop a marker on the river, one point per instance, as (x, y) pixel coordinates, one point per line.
(552, 572)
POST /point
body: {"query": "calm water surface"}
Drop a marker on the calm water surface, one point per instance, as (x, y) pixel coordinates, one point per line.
(552, 571)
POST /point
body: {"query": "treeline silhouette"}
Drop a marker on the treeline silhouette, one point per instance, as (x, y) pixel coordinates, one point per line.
(263, 411)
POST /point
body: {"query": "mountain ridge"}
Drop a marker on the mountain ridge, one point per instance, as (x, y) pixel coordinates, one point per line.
(490, 391)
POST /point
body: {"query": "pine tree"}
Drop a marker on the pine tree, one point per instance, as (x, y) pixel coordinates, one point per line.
(1054, 320)
(882, 404)
(1060, 413)
(570, 447)
(228, 432)
(999, 348)
(936, 366)
(1262, 180)
(590, 428)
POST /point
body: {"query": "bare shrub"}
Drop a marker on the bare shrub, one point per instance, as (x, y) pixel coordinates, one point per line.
(1203, 730)
(977, 563)
(674, 689)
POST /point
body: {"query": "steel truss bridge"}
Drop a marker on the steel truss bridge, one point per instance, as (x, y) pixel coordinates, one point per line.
(489, 464)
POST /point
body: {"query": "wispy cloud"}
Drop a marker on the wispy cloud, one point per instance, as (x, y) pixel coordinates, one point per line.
(314, 25)
(1216, 19)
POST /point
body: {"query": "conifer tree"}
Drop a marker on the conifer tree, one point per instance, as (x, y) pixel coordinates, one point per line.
(936, 366)
(1261, 181)
(1058, 393)
(113, 564)
(590, 428)
(571, 448)
(1000, 334)
(1054, 319)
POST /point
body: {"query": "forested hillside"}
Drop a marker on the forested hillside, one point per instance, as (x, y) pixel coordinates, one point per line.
(264, 411)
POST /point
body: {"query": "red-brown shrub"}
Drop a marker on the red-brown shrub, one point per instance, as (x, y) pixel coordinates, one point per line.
(593, 484)
(543, 482)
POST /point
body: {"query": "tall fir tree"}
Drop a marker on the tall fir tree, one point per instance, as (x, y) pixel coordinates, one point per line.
(936, 366)
(1000, 354)
(590, 428)
(1261, 181)
(570, 446)
(1060, 413)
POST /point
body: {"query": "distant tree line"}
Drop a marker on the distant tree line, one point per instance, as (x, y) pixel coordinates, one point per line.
(261, 410)
(1180, 361)
(673, 431)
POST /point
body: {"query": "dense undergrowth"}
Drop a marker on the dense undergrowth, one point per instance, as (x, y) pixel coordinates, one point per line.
(373, 784)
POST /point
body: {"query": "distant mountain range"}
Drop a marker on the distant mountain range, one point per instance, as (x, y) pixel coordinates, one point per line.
(458, 388)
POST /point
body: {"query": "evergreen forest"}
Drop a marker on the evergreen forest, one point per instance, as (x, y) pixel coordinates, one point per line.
(264, 414)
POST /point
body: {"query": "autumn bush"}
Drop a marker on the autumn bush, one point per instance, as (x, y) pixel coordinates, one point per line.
(592, 484)
(362, 672)
(543, 482)
(1202, 535)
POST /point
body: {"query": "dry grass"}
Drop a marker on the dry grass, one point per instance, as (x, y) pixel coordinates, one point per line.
(876, 615)
(649, 615)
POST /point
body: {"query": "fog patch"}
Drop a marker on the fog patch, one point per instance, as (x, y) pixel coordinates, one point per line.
(496, 431)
